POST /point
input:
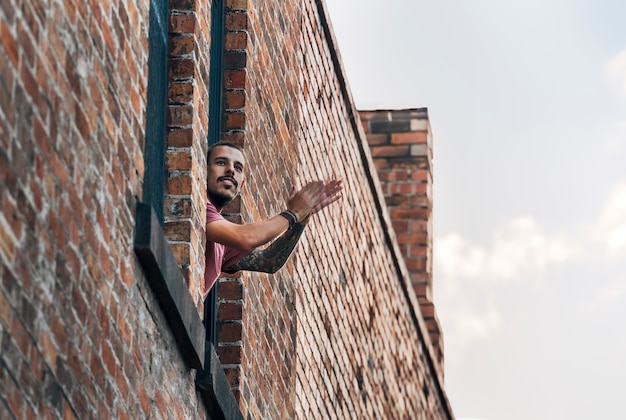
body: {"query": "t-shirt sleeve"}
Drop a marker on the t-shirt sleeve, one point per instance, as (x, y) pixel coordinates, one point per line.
(231, 256)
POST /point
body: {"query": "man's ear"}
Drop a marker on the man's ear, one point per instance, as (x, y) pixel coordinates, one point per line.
(242, 183)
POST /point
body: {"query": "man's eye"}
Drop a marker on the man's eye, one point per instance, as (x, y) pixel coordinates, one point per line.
(239, 168)
(219, 162)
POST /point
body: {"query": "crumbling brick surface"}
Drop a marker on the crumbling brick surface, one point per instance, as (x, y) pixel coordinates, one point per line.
(81, 333)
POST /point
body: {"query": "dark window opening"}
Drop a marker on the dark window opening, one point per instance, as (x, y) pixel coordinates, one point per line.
(151, 246)
(156, 112)
(215, 127)
(212, 382)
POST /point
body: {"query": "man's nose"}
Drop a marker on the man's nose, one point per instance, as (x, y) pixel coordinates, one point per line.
(230, 168)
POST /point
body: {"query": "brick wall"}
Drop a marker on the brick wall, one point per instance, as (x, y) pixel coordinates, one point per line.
(188, 95)
(336, 333)
(401, 144)
(81, 333)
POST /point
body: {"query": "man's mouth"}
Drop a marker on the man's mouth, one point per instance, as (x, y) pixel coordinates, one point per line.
(228, 181)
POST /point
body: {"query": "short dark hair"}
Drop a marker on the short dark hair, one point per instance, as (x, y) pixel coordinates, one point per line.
(221, 143)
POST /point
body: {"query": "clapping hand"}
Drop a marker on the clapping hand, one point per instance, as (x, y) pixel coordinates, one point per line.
(329, 193)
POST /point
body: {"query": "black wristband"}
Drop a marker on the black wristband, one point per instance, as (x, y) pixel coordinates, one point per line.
(290, 216)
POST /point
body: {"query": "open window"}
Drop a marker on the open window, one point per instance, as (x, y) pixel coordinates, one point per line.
(195, 338)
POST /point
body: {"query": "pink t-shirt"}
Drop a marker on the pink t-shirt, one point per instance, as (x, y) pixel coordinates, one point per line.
(217, 256)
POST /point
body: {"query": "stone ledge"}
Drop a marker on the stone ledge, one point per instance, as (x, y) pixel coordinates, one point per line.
(215, 389)
(167, 282)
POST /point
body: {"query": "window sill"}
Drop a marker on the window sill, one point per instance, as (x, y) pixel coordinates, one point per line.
(167, 282)
(215, 389)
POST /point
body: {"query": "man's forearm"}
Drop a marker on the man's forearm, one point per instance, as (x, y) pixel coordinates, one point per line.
(272, 258)
(246, 237)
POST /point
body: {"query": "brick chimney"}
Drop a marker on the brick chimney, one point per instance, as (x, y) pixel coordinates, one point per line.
(401, 145)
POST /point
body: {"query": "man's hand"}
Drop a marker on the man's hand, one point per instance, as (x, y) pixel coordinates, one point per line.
(272, 258)
(303, 201)
(331, 192)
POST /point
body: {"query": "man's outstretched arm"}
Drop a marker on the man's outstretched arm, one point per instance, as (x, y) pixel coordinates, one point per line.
(248, 237)
(271, 259)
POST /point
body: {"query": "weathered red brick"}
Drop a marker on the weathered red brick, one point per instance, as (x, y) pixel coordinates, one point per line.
(181, 161)
(412, 137)
(179, 184)
(235, 79)
(229, 311)
(181, 252)
(235, 99)
(236, 40)
(236, 21)
(235, 120)
(180, 116)
(13, 217)
(181, 93)
(9, 44)
(183, 23)
(377, 139)
(388, 151)
(236, 4)
(178, 231)
(230, 332)
(182, 69)
(182, 45)
(229, 354)
(180, 137)
(5, 310)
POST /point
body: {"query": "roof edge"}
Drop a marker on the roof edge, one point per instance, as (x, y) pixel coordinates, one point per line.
(372, 177)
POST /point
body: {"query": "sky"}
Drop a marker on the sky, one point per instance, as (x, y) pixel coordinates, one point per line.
(527, 104)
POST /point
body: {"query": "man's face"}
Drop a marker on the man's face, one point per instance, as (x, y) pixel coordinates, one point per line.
(225, 175)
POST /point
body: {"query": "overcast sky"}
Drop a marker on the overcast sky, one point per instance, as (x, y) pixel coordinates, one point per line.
(527, 102)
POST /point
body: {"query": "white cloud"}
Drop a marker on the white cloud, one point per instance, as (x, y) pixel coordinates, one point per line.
(616, 71)
(521, 246)
(468, 321)
(456, 258)
(469, 277)
(518, 248)
(610, 228)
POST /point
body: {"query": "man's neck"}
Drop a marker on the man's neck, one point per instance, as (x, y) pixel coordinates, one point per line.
(218, 202)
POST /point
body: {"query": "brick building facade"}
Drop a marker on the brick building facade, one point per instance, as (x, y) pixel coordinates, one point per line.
(401, 144)
(105, 112)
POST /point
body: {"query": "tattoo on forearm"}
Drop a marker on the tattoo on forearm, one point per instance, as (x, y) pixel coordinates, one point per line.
(271, 259)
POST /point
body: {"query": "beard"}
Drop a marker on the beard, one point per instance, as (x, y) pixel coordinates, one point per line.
(219, 200)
